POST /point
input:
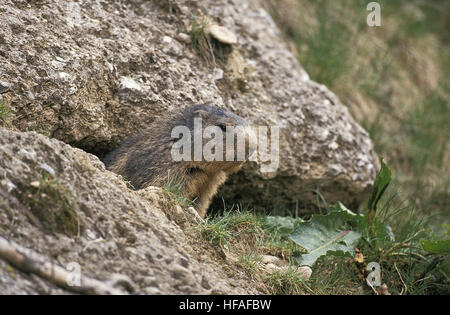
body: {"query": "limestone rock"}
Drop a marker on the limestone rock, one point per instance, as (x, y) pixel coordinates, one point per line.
(121, 237)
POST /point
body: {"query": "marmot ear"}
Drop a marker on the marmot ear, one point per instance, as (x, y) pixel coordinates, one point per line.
(200, 113)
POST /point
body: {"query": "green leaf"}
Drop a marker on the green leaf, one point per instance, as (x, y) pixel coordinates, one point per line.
(379, 187)
(441, 247)
(282, 225)
(340, 207)
(335, 234)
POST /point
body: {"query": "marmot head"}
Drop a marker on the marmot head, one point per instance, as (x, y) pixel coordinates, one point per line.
(224, 139)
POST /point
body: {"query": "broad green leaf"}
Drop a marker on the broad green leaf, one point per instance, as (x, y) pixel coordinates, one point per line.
(441, 247)
(381, 183)
(283, 225)
(335, 234)
(381, 229)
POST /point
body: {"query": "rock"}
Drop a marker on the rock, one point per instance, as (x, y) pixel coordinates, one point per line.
(48, 169)
(218, 74)
(272, 264)
(221, 33)
(185, 38)
(266, 259)
(383, 290)
(171, 47)
(122, 281)
(322, 149)
(129, 83)
(228, 255)
(178, 215)
(151, 291)
(35, 184)
(149, 246)
(90, 234)
(4, 87)
(305, 272)
(91, 94)
(271, 268)
(153, 194)
(194, 215)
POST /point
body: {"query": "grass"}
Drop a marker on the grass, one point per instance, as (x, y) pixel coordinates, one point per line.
(197, 33)
(406, 268)
(173, 190)
(52, 203)
(211, 50)
(393, 78)
(241, 227)
(332, 275)
(401, 257)
(324, 53)
(250, 262)
(286, 282)
(230, 226)
(393, 242)
(248, 236)
(5, 113)
(200, 41)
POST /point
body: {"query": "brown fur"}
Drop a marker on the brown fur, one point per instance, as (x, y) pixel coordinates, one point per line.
(145, 159)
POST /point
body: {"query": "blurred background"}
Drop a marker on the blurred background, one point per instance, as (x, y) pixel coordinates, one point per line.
(393, 78)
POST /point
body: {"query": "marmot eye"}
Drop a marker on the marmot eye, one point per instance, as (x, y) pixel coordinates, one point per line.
(223, 127)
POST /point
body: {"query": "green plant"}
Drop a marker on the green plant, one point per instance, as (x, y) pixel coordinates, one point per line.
(440, 249)
(219, 230)
(216, 232)
(335, 234)
(52, 203)
(210, 49)
(174, 188)
(5, 113)
(286, 282)
(404, 253)
(339, 231)
(197, 31)
(327, 48)
(250, 262)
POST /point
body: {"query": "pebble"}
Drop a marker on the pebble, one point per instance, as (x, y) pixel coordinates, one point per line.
(221, 33)
(218, 74)
(129, 83)
(185, 38)
(4, 87)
